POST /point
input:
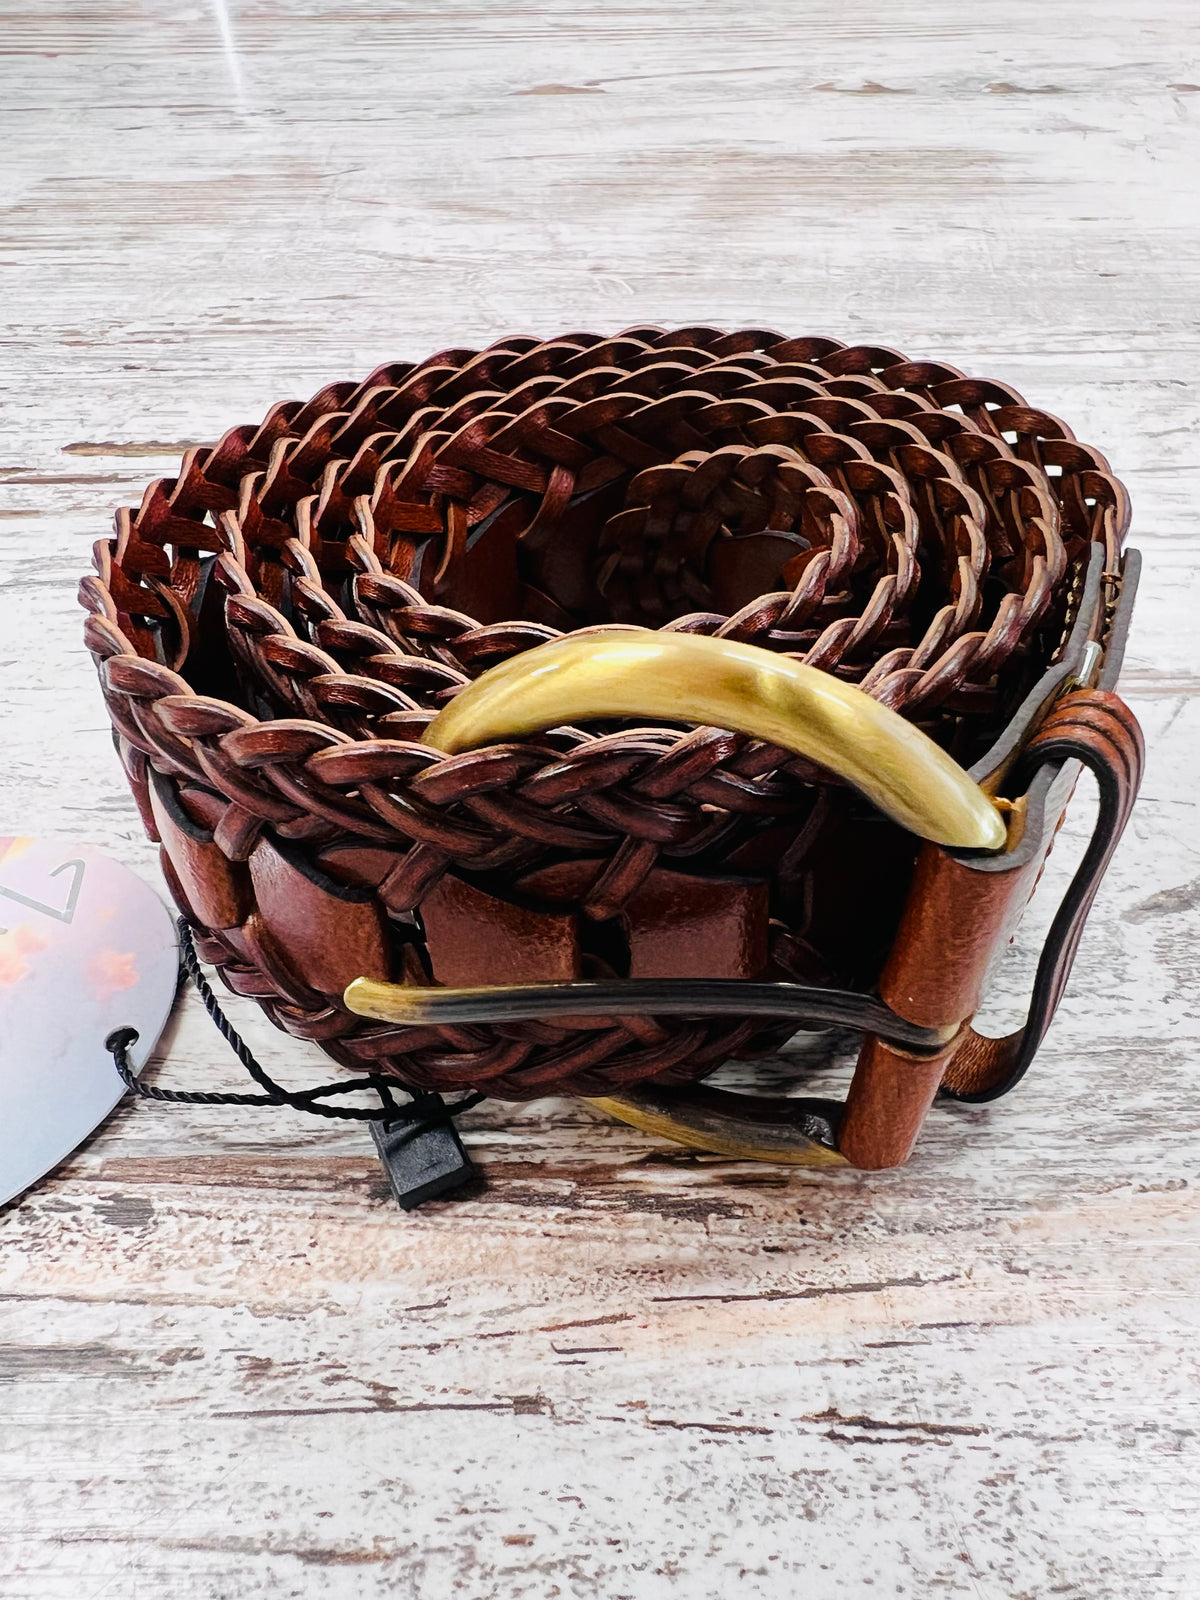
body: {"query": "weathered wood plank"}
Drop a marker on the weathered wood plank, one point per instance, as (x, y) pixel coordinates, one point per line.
(230, 1367)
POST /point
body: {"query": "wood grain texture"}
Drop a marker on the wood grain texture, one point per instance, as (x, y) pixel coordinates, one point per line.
(231, 1367)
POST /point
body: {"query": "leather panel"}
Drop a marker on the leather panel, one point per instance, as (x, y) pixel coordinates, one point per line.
(681, 926)
(473, 938)
(329, 934)
(217, 890)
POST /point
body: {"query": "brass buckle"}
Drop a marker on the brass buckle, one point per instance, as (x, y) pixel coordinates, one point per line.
(688, 677)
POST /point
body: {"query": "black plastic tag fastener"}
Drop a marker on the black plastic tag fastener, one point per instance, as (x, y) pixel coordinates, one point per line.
(422, 1159)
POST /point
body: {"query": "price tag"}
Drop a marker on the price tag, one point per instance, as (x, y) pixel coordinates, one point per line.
(85, 947)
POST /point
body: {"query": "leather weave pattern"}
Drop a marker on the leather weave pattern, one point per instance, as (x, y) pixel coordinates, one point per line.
(275, 626)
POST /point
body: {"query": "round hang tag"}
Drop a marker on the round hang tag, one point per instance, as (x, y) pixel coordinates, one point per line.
(85, 947)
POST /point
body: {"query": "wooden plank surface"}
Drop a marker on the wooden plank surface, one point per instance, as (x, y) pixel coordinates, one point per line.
(230, 1367)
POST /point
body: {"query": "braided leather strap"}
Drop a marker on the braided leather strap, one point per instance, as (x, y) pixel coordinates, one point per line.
(276, 625)
(1096, 728)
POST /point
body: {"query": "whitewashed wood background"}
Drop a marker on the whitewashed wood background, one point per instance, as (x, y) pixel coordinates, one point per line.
(230, 1367)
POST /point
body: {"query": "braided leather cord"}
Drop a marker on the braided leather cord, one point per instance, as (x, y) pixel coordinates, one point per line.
(275, 626)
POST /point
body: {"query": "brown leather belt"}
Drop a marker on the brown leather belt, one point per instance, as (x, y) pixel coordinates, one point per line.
(604, 901)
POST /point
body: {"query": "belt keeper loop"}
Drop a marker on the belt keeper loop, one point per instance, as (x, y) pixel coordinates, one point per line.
(891, 1092)
(954, 919)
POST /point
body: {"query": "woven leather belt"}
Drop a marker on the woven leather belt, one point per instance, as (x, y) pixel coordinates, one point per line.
(573, 716)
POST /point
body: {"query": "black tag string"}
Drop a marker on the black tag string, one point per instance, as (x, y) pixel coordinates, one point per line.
(424, 1113)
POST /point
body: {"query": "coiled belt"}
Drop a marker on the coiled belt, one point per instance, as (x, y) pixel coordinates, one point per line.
(573, 715)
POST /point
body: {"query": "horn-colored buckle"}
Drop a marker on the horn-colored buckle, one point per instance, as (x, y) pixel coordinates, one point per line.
(688, 677)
